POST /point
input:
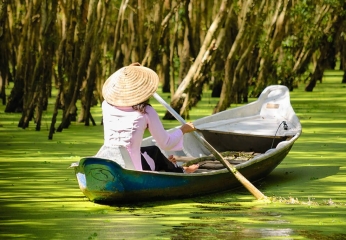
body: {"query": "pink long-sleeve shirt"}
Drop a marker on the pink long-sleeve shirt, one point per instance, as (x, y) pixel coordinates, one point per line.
(124, 126)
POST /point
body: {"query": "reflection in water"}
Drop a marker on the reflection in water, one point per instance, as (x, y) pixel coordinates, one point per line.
(233, 230)
(226, 230)
(267, 232)
(318, 235)
(232, 221)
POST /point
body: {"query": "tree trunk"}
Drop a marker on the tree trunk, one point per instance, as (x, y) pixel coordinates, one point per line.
(326, 53)
(172, 48)
(15, 100)
(215, 26)
(225, 98)
(37, 95)
(273, 38)
(151, 54)
(96, 30)
(80, 59)
(4, 66)
(343, 60)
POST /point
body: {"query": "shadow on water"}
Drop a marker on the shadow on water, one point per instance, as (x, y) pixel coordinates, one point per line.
(299, 176)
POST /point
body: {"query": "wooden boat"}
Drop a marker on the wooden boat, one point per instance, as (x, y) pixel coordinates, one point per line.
(265, 129)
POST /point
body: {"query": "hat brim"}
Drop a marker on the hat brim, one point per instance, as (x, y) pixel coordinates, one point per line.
(130, 86)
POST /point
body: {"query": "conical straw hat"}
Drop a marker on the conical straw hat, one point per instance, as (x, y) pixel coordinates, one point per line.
(130, 86)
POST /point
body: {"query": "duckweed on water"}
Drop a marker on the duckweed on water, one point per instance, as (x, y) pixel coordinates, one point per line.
(40, 198)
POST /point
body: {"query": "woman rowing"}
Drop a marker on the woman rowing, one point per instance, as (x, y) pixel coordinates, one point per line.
(127, 114)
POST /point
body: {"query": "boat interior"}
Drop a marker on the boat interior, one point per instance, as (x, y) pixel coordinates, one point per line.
(248, 130)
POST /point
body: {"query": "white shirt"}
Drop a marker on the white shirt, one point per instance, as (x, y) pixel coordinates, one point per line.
(124, 126)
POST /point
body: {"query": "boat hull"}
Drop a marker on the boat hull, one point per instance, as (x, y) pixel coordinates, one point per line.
(102, 180)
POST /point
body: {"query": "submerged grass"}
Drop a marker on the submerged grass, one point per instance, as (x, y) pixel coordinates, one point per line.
(40, 198)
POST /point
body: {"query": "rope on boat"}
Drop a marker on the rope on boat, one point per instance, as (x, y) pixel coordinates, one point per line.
(285, 128)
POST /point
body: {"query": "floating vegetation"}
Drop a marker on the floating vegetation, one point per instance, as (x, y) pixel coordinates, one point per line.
(292, 200)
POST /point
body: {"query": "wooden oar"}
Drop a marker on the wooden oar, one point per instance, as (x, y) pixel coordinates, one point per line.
(248, 185)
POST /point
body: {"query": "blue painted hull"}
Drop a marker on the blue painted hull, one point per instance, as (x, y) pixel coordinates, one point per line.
(103, 180)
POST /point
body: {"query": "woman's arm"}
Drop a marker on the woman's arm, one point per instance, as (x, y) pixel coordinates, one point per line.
(166, 140)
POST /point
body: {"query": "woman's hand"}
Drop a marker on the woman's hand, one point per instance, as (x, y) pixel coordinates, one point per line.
(172, 159)
(187, 127)
(190, 169)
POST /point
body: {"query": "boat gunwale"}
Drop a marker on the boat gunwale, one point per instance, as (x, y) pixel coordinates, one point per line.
(239, 166)
(252, 135)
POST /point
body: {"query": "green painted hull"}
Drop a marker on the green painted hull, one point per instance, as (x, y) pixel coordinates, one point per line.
(102, 180)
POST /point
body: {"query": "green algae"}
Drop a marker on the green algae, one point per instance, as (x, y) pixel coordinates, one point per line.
(40, 198)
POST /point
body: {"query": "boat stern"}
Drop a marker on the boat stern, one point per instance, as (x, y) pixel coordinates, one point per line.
(97, 178)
